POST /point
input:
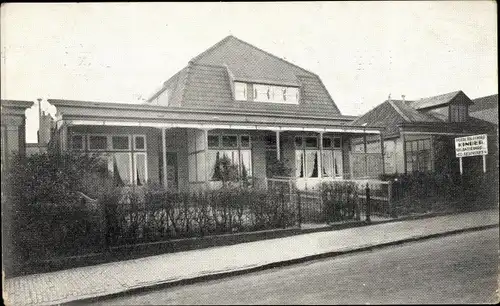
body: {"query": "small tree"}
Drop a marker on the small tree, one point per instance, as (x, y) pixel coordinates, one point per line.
(228, 171)
(279, 168)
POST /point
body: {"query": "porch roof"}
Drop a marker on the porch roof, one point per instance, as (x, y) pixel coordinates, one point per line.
(99, 113)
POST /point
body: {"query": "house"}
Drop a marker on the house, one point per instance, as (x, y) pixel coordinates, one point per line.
(485, 108)
(232, 102)
(419, 135)
(13, 131)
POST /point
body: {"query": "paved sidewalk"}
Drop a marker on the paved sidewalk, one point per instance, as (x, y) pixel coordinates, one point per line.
(111, 278)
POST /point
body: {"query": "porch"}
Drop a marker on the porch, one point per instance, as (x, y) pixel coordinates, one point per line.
(191, 157)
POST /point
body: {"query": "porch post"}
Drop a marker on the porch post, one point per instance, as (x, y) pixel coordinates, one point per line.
(404, 150)
(382, 152)
(278, 148)
(205, 144)
(320, 159)
(164, 156)
(366, 156)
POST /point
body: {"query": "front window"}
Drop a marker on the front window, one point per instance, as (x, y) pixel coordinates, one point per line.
(418, 157)
(125, 154)
(228, 158)
(308, 158)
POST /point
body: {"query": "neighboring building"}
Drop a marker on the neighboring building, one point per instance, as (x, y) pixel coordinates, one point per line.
(485, 108)
(45, 130)
(233, 100)
(419, 135)
(13, 134)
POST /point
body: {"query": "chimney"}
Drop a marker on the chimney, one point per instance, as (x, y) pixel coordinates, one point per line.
(389, 97)
(403, 96)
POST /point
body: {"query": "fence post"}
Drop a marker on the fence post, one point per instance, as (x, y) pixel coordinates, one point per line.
(299, 208)
(368, 204)
(392, 211)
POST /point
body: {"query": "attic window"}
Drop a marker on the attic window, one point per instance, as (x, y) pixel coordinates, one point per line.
(458, 112)
(275, 94)
(240, 91)
(266, 93)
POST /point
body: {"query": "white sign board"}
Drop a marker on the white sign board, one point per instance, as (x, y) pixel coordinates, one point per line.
(471, 145)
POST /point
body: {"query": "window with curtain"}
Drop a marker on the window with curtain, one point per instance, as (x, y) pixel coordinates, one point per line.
(122, 168)
(140, 169)
(307, 157)
(312, 163)
(126, 155)
(236, 149)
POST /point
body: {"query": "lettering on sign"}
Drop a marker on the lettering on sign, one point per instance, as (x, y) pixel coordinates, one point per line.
(471, 145)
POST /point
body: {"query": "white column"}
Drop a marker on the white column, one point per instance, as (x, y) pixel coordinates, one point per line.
(205, 143)
(320, 158)
(278, 148)
(382, 152)
(164, 156)
(484, 163)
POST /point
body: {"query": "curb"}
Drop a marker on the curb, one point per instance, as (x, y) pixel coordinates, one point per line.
(225, 274)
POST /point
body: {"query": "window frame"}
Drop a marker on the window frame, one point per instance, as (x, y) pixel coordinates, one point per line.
(218, 141)
(229, 135)
(110, 142)
(275, 94)
(84, 142)
(240, 144)
(236, 91)
(134, 142)
(98, 135)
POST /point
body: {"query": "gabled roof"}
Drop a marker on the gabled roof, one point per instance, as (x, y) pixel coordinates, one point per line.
(206, 82)
(439, 100)
(483, 103)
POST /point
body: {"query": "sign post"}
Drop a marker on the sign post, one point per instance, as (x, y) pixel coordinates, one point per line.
(471, 146)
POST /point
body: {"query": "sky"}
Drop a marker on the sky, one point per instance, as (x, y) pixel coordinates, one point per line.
(363, 51)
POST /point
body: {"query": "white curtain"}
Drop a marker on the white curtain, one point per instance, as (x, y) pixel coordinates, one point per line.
(299, 163)
(211, 160)
(246, 161)
(122, 167)
(338, 163)
(327, 163)
(140, 165)
(311, 163)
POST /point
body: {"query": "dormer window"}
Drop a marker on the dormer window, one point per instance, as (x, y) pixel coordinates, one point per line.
(240, 91)
(266, 93)
(458, 112)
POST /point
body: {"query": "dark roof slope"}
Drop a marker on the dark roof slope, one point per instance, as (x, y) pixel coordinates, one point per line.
(382, 115)
(410, 114)
(487, 102)
(437, 100)
(206, 82)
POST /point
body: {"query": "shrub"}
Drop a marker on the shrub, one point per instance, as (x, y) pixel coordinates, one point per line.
(340, 200)
(43, 212)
